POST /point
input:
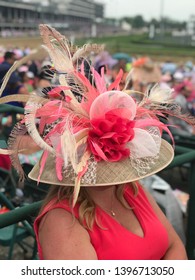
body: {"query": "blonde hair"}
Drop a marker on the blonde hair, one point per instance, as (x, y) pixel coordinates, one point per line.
(87, 206)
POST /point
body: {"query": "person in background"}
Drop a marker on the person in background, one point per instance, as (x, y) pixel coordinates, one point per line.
(8, 60)
(145, 74)
(27, 79)
(13, 86)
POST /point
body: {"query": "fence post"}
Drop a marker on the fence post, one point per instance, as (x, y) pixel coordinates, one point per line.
(190, 234)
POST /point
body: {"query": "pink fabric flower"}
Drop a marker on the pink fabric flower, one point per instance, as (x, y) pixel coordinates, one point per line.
(108, 137)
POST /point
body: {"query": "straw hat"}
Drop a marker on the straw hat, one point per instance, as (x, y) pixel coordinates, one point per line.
(106, 173)
(105, 138)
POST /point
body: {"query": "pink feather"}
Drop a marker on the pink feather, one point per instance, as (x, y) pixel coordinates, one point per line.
(42, 164)
(59, 163)
(115, 84)
(99, 81)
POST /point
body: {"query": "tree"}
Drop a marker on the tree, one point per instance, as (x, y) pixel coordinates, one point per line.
(138, 22)
(155, 23)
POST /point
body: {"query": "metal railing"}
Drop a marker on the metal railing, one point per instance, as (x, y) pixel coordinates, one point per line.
(13, 110)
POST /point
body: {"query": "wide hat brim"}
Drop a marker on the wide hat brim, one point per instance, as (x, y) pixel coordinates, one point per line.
(107, 173)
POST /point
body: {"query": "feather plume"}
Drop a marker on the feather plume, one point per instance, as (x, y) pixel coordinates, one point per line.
(99, 81)
(86, 50)
(127, 80)
(58, 48)
(160, 102)
(83, 155)
(14, 140)
(30, 121)
(115, 84)
(5, 152)
(160, 95)
(76, 190)
(68, 146)
(61, 55)
(14, 97)
(42, 163)
(59, 162)
(63, 82)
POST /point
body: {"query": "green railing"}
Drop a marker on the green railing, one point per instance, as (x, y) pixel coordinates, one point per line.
(6, 108)
(20, 214)
(13, 110)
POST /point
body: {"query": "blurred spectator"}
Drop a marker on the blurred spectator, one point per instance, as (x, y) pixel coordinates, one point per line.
(8, 60)
(145, 74)
(166, 80)
(15, 86)
(27, 78)
(169, 67)
(104, 59)
(184, 94)
(184, 90)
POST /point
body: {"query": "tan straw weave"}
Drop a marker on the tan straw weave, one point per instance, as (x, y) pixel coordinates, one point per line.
(107, 173)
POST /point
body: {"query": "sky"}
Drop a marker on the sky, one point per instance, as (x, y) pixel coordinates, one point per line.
(179, 10)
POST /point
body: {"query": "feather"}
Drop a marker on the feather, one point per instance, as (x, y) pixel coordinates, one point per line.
(86, 50)
(5, 152)
(30, 122)
(127, 80)
(42, 164)
(14, 97)
(82, 150)
(115, 84)
(99, 81)
(61, 55)
(153, 122)
(76, 190)
(68, 146)
(59, 162)
(160, 102)
(14, 140)
(58, 47)
(83, 155)
(63, 82)
(160, 95)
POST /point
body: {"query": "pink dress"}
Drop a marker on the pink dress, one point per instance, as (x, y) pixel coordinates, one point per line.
(114, 242)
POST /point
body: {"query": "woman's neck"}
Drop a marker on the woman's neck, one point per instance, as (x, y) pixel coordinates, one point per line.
(104, 197)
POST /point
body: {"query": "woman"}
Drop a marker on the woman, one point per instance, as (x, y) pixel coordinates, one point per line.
(122, 235)
(94, 154)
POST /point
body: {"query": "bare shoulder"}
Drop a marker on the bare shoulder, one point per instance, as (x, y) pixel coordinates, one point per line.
(63, 237)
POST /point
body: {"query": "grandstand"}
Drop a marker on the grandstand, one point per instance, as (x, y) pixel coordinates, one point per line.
(24, 16)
